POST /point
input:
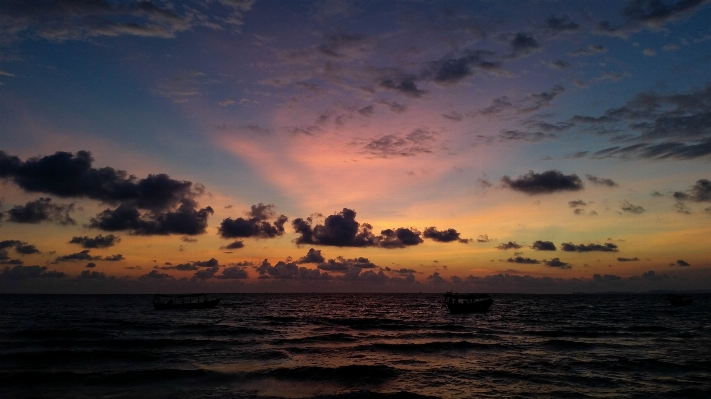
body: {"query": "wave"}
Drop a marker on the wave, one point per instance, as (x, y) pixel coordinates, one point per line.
(63, 356)
(356, 373)
(570, 345)
(336, 337)
(429, 347)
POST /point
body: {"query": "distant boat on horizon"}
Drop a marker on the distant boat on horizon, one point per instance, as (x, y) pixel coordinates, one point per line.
(467, 303)
(184, 301)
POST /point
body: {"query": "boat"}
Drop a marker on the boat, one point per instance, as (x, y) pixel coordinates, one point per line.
(184, 301)
(467, 303)
(678, 300)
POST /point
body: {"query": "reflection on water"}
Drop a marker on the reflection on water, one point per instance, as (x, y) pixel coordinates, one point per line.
(365, 345)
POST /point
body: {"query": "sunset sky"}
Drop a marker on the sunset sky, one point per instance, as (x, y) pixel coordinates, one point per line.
(363, 146)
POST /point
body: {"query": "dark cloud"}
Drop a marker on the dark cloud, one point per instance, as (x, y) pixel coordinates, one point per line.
(591, 49)
(417, 142)
(559, 64)
(556, 262)
(156, 275)
(79, 256)
(233, 273)
(114, 258)
(483, 238)
(169, 205)
(83, 20)
(186, 219)
(621, 259)
(190, 266)
(681, 263)
(367, 110)
(520, 259)
(206, 273)
(91, 265)
(91, 275)
(188, 239)
(342, 230)
(598, 181)
(406, 86)
(100, 241)
(543, 183)
(627, 207)
(530, 137)
(561, 24)
(398, 238)
(313, 256)
(25, 272)
(529, 103)
(508, 245)
(570, 247)
(41, 210)
(234, 245)
(290, 271)
(336, 45)
(651, 14)
(341, 264)
(523, 44)
(576, 203)
(453, 116)
(543, 246)
(448, 235)
(453, 70)
(256, 225)
(700, 192)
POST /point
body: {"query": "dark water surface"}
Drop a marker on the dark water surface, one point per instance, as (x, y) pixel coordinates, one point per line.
(355, 346)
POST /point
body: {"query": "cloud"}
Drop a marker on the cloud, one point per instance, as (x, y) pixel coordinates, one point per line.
(83, 20)
(483, 238)
(543, 246)
(342, 230)
(26, 272)
(522, 260)
(627, 207)
(448, 235)
(256, 224)
(700, 192)
(417, 142)
(561, 24)
(576, 203)
(681, 263)
(234, 245)
(233, 273)
(621, 259)
(508, 245)
(91, 265)
(600, 181)
(312, 256)
(556, 262)
(100, 241)
(341, 264)
(523, 44)
(79, 256)
(543, 183)
(169, 204)
(570, 247)
(206, 273)
(450, 71)
(290, 271)
(559, 64)
(650, 14)
(190, 266)
(406, 86)
(398, 238)
(41, 210)
(591, 49)
(156, 275)
(114, 258)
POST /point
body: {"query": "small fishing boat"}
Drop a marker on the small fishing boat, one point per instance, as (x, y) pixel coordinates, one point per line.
(467, 303)
(184, 301)
(678, 300)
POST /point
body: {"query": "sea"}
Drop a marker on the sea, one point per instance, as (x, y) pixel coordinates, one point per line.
(355, 346)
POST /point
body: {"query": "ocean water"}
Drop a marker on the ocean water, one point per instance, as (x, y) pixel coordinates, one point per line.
(355, 346)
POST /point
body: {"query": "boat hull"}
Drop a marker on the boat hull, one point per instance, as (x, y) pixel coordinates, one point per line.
(195, 305)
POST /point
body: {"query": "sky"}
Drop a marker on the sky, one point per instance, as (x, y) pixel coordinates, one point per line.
(355, 146)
